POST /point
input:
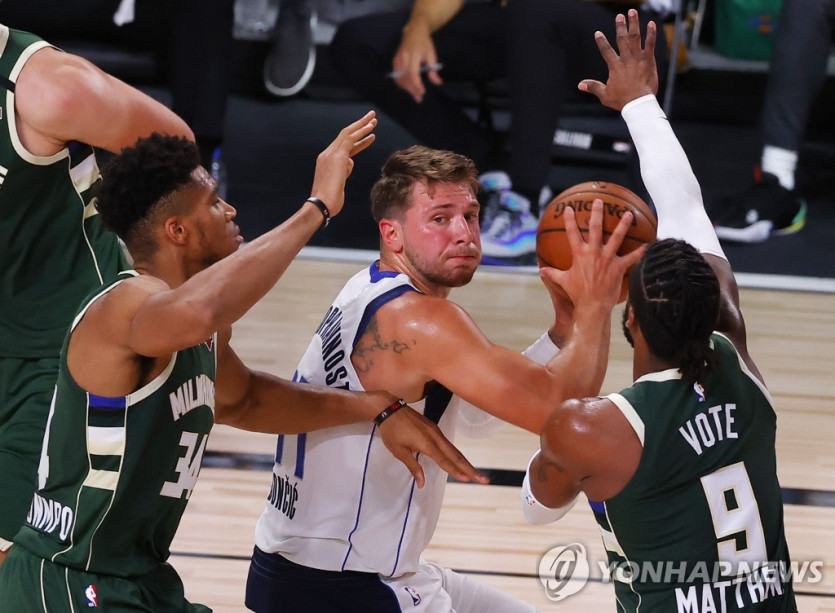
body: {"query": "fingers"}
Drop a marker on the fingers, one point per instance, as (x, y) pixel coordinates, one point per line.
(596, 223)
(408, 433)
(354, 137)
(596, 88)
(412, 464)
(363, 144)
(453, 462)
(361, 126)
(633, 257)
(619, 233)
(621, 32)
(649, 40)
(552, 276)
(405, 71)
(410, 79)
(572, 231)
(354, 134)
(633, 34)
(606, 50)
(412, 84)
(633, 25)
(559, 279)
(359, 133)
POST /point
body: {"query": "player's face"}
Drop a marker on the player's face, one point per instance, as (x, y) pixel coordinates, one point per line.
(441, 234)
(219, 236)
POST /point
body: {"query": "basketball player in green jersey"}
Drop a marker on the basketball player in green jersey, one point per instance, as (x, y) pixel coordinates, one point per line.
(679, 468)
(54, 108)
(147, 368)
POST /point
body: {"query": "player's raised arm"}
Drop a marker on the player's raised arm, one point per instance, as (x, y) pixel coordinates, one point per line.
(216, 297)
(665, 169)
(61, 97)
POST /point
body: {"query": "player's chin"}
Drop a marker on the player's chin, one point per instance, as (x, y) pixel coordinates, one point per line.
(232, 247)
(461, 270)
(467, 262)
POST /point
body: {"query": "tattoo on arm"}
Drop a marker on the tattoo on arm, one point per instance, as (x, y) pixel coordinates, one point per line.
(370, 343)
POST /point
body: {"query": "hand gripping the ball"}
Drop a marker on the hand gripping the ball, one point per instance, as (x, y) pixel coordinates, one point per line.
(596, 272)
(552, 246)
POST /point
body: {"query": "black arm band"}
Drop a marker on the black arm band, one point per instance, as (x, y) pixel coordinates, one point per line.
(389, 411)
(321, 206)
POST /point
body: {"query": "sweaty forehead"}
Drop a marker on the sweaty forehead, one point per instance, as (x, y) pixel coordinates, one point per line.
(444, 192)
(201, 177)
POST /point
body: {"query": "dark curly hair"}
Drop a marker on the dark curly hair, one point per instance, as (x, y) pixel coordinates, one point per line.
(390, 194)
(136, 182)
(675, 296)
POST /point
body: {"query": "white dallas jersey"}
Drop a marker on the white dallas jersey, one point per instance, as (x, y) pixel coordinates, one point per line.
(339, 500)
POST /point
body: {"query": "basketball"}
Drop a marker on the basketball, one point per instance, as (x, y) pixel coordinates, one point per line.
(552, 247)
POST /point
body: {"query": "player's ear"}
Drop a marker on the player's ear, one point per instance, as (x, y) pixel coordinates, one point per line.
(174, 229)
(629, 316)
(391, 234)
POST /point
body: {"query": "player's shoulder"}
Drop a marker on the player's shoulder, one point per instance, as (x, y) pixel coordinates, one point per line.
(580, 415)
(417, 309)
(132, 291)
(585, 420)
(144, 283)
(589, 424)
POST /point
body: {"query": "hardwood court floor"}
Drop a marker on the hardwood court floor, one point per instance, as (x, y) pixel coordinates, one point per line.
(481, 530)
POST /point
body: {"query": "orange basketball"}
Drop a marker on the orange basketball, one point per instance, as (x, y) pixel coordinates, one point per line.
(552, 248)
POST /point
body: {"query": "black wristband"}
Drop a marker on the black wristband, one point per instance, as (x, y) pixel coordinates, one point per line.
(389, 411)
(322, 207)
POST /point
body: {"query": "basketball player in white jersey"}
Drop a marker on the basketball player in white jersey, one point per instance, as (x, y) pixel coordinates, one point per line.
(344, 527)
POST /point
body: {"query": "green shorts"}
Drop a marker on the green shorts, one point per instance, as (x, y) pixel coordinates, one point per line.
(26, 388)
(30, 584)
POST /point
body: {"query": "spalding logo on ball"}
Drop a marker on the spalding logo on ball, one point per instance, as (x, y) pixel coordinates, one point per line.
(552, 248)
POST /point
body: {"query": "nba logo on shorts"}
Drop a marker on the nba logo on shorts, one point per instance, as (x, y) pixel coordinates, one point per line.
(413, 593)
(92, 597)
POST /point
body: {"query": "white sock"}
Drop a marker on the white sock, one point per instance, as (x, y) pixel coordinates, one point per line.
(781, 163)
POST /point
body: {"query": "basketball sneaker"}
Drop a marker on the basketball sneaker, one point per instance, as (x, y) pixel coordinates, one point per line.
(493, 185)
(765, 209)
(290, 63)
(511, 236)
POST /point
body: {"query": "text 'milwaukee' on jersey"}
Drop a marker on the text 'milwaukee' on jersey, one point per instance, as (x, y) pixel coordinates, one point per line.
(116, 473)
(704, 508)
(54, 248)
(339, 500)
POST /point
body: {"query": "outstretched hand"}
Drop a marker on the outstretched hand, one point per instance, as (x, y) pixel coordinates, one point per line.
(632, 70)
(334, 164)
(596, 271)
(407, 433)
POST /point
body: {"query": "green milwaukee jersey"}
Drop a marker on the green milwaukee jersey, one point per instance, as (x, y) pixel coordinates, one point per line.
(116, 473)
(54, 250)
(703, 510)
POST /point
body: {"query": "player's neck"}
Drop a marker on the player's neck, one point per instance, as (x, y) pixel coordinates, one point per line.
(174, 273)
(645, 362)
